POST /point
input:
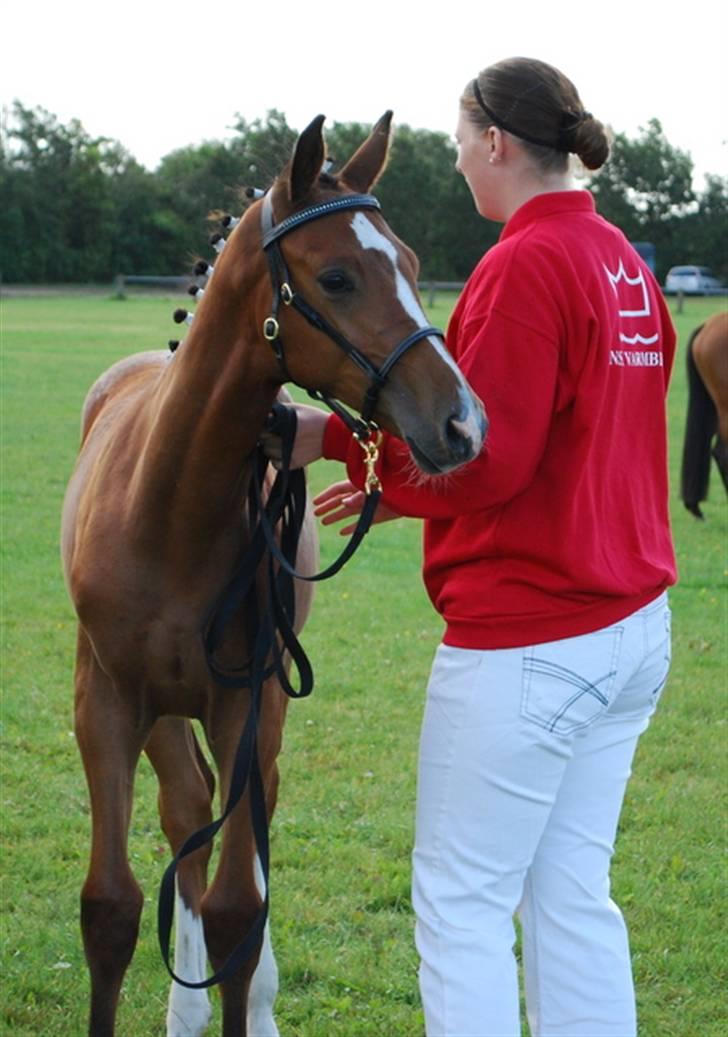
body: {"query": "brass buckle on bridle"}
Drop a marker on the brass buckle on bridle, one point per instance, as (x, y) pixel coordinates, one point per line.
(271, 329)
(370, 443)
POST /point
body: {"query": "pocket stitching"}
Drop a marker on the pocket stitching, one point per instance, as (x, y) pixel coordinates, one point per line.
(585, 686)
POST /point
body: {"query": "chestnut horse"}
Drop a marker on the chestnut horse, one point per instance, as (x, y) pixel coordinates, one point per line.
(706, 423)
(155, 521)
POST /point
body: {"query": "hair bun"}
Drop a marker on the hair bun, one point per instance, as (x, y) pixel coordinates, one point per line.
(570, 122)
(590, 141)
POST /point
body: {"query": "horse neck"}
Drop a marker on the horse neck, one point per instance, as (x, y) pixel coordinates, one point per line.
(208, 412)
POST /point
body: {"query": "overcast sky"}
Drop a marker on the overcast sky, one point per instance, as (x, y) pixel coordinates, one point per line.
(157, 75)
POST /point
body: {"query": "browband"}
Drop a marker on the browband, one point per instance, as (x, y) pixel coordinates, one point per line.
(351, 201)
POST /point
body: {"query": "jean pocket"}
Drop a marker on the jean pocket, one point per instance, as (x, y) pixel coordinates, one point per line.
(568, 684)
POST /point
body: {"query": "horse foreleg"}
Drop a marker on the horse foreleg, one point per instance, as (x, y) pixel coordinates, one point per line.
(234, 898)
(186, 787)
(264, 984)
(111, 900)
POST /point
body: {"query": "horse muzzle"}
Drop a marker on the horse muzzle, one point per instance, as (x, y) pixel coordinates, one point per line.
(459, 441)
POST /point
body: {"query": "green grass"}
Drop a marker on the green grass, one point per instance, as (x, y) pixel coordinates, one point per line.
(341, 837)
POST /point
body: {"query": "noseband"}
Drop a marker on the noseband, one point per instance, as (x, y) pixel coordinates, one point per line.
(283, 292)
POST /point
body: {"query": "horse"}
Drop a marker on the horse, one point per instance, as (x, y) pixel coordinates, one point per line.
(156, 517)
(706, 423)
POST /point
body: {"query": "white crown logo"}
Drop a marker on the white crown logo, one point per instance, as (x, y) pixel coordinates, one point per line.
(634, 282)
(640, 300)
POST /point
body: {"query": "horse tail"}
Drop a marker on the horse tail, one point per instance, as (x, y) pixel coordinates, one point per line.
(700, 425)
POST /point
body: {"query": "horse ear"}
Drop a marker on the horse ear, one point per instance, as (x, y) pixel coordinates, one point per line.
(308, 157)
(367, 164)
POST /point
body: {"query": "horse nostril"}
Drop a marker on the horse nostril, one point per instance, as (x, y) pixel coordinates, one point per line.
(465, 435)
(459, 440)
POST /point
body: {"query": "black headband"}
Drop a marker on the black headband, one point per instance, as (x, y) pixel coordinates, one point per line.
(558, 145)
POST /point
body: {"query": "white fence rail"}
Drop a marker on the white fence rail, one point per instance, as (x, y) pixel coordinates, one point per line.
(428, 289)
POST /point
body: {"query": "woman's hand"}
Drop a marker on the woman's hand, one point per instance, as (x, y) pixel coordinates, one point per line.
(309, 438)
(341, 501)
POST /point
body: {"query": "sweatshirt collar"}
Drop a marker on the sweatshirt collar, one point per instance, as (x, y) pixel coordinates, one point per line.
(542, 206)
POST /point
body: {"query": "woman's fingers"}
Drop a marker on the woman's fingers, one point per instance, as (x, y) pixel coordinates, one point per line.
(342, 501)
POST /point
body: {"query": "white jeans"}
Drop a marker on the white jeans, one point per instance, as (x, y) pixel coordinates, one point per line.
(524, 759)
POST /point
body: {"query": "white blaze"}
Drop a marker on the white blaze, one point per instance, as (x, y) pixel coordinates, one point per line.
(369, 237)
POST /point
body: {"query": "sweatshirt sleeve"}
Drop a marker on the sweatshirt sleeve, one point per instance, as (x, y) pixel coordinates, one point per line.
(513, 368)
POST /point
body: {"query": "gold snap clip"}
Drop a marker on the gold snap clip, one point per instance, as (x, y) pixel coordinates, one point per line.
(370, 446)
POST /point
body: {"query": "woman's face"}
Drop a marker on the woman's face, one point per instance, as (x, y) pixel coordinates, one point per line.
(474, 162)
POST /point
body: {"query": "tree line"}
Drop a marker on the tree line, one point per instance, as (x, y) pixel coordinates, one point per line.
(77, 208)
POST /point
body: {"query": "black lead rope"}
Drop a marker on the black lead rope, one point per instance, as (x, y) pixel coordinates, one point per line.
(292, 488)
(285, 508)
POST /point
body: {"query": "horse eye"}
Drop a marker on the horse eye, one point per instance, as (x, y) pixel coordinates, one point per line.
(336, 282)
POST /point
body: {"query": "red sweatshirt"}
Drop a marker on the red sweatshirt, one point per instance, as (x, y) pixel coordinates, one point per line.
(561, 525)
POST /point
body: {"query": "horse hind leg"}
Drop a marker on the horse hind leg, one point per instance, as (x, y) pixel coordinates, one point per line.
(720, 454)
(700, 427)
(186, 787)
(710, 349)
(720, 446)
(111, 901)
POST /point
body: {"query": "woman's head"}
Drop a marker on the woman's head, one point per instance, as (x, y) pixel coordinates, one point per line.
(541, 107)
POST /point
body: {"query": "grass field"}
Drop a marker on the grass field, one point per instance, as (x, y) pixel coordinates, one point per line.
(341, 912)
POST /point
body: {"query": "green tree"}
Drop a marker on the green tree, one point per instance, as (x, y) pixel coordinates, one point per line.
(55, 179)
(646, 189)
(705, 232)
(209, 179)
(148, 237)
(655, 177)
(261, 148)
(192, 183)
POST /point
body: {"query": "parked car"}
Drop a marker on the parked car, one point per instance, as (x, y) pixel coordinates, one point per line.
(693, 280)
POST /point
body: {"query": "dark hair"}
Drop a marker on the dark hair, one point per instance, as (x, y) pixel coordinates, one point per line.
(539, 105)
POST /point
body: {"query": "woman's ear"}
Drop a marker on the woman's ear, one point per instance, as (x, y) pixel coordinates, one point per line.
(495, 144)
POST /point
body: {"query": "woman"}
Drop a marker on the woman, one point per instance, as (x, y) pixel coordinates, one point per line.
(548, 558)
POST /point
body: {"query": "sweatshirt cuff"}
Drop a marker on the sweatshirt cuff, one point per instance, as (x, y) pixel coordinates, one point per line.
(337, 439)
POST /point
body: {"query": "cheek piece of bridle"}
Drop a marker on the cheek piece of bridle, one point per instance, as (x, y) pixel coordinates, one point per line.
(275, 522)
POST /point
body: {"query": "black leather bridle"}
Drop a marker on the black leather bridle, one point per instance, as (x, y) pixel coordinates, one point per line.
(283, 292)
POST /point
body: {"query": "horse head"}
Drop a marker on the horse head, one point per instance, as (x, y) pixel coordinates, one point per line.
(347, 287)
